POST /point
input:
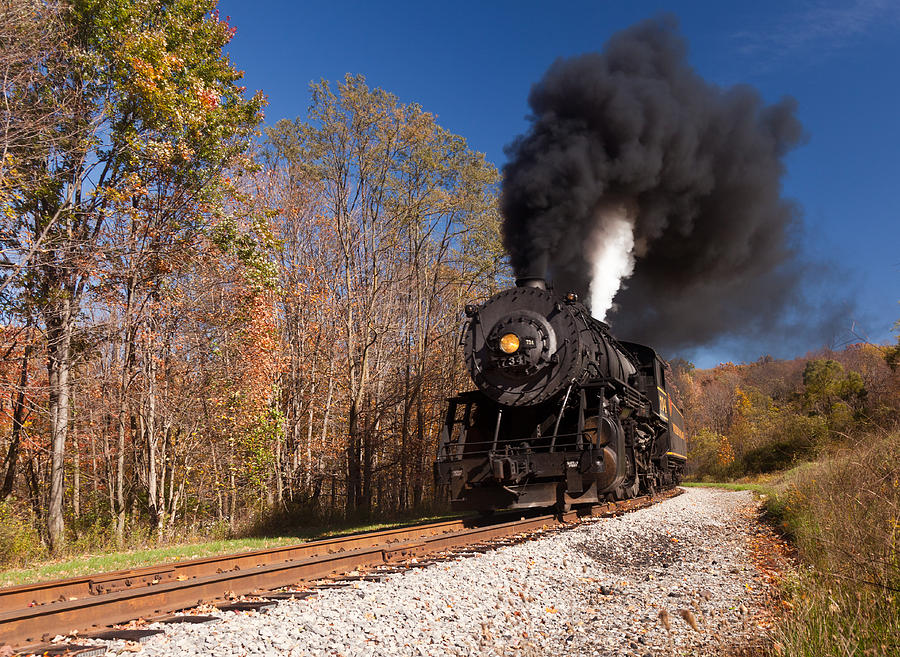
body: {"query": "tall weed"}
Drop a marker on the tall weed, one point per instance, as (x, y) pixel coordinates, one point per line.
(844, 516)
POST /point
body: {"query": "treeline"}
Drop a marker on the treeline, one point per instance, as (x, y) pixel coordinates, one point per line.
(772, 414)
(203, 320)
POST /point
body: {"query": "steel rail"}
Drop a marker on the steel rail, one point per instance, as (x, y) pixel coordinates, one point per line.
(72, 588)
(29, 625)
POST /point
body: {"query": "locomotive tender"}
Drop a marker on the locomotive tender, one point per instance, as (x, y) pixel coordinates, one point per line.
(563, 413)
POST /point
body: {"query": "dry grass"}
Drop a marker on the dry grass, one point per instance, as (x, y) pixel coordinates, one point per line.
(843, 513)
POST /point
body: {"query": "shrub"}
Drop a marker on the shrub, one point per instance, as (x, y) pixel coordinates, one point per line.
(19, 540)
(710, 456)
(794, 437)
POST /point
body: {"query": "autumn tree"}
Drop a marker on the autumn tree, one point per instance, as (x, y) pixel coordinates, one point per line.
(155, 114)
(831, 392)
(892, 355)
(31, 36)
(406, 203)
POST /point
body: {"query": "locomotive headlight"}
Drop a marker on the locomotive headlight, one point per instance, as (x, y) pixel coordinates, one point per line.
(509, 343)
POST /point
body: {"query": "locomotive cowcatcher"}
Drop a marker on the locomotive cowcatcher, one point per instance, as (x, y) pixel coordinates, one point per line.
(563, 413)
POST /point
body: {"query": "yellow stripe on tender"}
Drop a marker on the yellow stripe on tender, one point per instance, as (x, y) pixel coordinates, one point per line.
(681, 456)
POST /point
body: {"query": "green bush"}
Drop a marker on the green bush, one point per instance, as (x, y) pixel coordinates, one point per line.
(793, 438)
(19, 540)
(710, 457)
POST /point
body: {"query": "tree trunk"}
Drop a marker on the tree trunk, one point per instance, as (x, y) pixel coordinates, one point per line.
(59, 345)
(420, 440)
(152, 491)
(403, 500)
(354, 465)
(35, 494)
(123, 423)
(12, 456)
(120, 471)
(76, 483)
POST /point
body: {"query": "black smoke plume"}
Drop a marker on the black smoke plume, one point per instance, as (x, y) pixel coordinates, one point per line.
(715, 243)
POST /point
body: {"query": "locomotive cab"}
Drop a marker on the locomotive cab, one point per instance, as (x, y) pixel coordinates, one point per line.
(670, 450)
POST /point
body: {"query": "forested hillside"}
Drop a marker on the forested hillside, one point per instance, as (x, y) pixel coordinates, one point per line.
(205, 321)
(818, 436)
(769, 415)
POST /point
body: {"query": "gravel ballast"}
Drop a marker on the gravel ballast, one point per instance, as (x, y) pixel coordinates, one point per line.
(674, 578)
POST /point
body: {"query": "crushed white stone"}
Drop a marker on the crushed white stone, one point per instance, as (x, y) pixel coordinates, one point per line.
(632, 585)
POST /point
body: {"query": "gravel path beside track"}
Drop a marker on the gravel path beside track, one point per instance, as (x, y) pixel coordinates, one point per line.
(606, 588)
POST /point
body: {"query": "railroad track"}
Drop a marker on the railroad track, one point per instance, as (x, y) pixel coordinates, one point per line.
(32, 614)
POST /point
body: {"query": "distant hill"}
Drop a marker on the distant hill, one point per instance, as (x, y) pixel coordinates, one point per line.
(764, 416)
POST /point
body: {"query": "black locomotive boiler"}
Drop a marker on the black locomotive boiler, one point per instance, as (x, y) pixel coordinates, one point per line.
(563, 413)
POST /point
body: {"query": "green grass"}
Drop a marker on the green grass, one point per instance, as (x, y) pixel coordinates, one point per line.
(762, 489)
(136, 558)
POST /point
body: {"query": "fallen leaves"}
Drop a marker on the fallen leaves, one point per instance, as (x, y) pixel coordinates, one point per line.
(689, 618)
(665, 620)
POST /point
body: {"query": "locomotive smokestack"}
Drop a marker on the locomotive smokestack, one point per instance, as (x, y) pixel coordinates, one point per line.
(707, 247)
(535, 275)
(532, 281)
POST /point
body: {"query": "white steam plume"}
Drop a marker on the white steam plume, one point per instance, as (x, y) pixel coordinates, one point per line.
(611, 253)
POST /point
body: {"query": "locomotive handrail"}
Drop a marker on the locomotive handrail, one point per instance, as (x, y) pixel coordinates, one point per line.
(562, 409)
(458, 454)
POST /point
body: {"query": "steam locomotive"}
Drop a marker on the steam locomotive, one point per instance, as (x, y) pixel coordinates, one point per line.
(563, 414)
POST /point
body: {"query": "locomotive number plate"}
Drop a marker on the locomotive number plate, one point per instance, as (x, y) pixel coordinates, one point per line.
(512, 361)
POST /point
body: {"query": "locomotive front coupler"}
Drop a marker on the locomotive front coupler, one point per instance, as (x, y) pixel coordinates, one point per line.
(510, 468)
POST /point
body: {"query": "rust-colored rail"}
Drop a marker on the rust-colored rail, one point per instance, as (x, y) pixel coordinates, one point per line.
(110, 582)
(88, 603)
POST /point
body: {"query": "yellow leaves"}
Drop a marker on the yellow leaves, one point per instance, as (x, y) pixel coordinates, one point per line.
(742, 403)
(551, 610)
(725, 454)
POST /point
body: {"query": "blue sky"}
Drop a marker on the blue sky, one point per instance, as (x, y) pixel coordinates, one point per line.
(472, 64)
